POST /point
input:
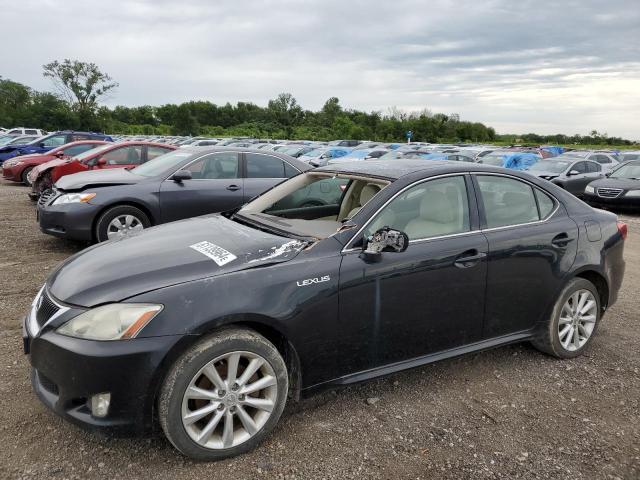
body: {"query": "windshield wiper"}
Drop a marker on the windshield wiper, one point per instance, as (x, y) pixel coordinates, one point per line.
(269, 228)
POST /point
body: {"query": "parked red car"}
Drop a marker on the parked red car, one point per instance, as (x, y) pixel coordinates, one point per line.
(17, 169)
(112, 155)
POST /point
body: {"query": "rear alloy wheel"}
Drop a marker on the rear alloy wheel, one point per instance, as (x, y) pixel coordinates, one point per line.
(573, 322)
(223, 396)
(25, 176)
(120, 222)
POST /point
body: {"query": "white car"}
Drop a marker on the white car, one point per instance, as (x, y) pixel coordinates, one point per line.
(25, 131)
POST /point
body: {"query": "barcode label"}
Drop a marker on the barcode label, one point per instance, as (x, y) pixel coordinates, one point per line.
(214, 252)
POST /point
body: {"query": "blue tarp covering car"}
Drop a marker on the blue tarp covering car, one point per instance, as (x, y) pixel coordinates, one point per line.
(555, 151)
(520, 161)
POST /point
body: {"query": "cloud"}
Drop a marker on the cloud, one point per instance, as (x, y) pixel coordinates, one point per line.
(545, 66)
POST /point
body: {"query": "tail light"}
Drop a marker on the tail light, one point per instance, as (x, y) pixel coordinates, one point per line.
(623, 229)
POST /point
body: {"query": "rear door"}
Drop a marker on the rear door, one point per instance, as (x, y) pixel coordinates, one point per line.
(532, 245)
(263, 171)
(215, 186)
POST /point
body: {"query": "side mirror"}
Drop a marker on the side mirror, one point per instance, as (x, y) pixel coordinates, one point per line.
(41, 145)
(181, 175)
(59, 154)
(608, 174)
(573, 172)
(384, 240)
(101, 161)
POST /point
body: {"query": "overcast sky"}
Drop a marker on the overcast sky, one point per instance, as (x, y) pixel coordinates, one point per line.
(542, 66)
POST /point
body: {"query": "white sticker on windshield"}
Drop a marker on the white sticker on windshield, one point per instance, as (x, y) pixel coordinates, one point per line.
(214, 252)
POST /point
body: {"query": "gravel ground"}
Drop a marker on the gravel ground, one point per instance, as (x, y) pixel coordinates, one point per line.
(506, 413)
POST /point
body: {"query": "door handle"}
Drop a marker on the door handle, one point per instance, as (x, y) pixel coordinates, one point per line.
(469, 258)
(233, 188)
(561, 240)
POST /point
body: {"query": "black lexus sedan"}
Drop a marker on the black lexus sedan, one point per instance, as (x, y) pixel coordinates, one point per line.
(101, 205)
(621, 188)
(208, 326)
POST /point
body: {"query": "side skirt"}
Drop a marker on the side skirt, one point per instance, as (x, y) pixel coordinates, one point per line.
(418, 361)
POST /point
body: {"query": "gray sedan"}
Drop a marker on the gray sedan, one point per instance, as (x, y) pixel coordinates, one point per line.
(108, 204)
(571, 174)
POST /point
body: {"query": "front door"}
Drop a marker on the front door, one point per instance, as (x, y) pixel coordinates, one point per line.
(215, 186)
(429, 298)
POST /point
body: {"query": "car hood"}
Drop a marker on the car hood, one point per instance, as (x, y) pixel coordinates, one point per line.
(624, 183)
(166, 255)
(112, 176)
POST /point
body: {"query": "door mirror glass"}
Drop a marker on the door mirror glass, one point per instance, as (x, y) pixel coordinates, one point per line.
(181, 175)
(384, 240)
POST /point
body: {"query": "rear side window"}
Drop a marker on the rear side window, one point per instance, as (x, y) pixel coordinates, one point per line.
(545, 203)
(507, 201)
(600, 158)
(264, 166)
(55, 141)
(31, 132)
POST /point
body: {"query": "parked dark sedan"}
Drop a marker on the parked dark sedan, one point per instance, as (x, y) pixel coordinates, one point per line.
(210, 324)
(572, 175)
(101, 205)
(620, 190)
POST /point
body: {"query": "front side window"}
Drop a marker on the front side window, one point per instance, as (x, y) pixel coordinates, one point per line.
(593, 167)
(215, 166)
(580, 167)
(124, 156)
(430, 209)
(264, 166)
(507, 201)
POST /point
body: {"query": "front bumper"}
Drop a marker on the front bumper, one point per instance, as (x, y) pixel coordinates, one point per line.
(12, 173)
(621, 202)
(68, 371)
(72, 221)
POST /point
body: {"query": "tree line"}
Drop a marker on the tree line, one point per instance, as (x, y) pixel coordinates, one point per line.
(80, 86)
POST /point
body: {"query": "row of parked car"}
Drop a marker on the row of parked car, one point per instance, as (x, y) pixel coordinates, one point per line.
(94, 187)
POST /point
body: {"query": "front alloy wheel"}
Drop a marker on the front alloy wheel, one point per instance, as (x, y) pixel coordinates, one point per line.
(224, 395)
(229, 400)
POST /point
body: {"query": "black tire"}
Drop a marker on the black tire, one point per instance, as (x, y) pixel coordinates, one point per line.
(113, 212)
(190, 363)
(547, 338)
(24, 175)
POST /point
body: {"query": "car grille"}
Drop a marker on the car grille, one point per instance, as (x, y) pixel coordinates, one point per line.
(46, 196)
(45, 308)
(609, 192)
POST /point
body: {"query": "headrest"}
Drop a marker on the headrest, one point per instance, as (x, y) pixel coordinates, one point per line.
(436, 207)
(368, 192)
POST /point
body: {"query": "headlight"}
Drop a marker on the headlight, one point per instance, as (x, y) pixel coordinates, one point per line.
(633, 193)
(117, 321)
(73, 198)
(590, 189)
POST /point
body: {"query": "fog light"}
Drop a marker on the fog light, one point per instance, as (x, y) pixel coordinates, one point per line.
(100, 404)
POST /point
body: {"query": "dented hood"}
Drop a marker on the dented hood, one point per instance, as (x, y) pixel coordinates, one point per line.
(158, 257)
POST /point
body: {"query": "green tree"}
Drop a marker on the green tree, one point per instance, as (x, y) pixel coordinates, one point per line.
(82, 84)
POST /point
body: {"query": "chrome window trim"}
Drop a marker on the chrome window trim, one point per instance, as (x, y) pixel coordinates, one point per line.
(32, 324)
(348, 249)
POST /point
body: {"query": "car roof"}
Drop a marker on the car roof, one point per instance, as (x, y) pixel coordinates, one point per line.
(302, 166)
(395, 169)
